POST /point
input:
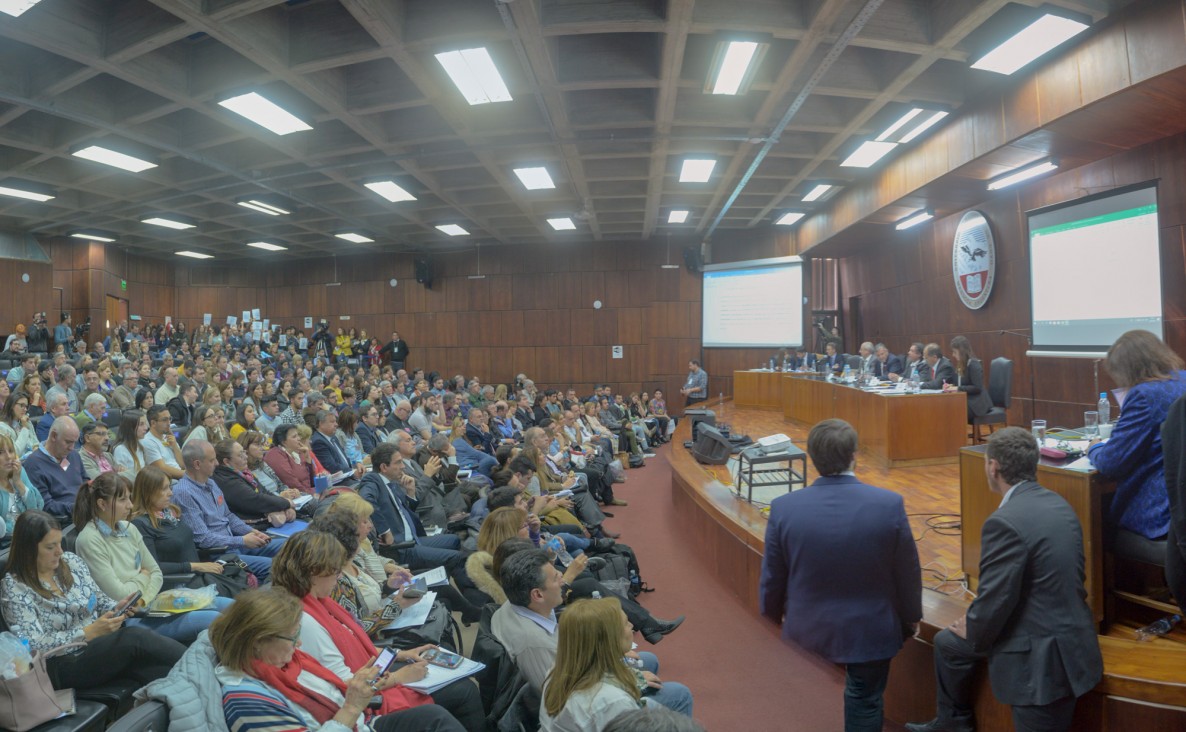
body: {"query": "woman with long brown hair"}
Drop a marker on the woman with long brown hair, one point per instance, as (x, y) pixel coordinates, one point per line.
(969, 378)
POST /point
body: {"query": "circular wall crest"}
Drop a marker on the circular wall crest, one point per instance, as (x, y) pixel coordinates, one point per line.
(973, 260)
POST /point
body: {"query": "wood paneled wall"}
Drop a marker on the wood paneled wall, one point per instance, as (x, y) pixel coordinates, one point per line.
(906, 292)
(19, 299)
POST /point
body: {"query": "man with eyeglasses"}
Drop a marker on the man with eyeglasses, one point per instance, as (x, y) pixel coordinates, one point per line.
(160, 446)
(95, 457)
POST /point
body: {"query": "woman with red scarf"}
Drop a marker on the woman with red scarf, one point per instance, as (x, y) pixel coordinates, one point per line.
(308, 566)
(269, 684)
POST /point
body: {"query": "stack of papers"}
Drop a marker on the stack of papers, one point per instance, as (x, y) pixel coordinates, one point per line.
(300, 501)
(415, 616)
(439, 677)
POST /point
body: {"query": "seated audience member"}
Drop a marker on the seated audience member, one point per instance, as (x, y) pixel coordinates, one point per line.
(244, 420)
(381, 569)
(55, 468)
(15, 496)
(468, 456)
(27, 366)
(886, 364)
(205, 511)
(939, 371)
(268, 680)
(55, 406)
(969, 378)
(181, 407)
(360, 591)
(204, 421)
(49, 598)
(590, 683)
(914, 367)
(159, 445)
(430, 479)
(64, 385)
(16, 425)
(94, 406)
(653, 718)
(368, 428)
(308, 567)
(95, 457)
(526, 627)
(255, 445)
(168, 539)
(119, 561)
(841, 527)
(325, 446)
(128, 453)
(503, 523)
(269, 418)
(348, 439)
(244, 495)
(124, 395)
(288, 459)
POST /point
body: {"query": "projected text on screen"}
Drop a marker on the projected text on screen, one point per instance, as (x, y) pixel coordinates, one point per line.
(753, 307)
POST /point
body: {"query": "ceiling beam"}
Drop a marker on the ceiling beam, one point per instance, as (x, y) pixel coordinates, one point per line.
(675, 41)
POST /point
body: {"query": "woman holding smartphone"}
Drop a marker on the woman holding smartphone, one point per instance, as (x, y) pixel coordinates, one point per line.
(50, 599)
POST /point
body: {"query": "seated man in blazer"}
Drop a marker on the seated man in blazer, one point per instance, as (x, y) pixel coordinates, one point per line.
(1031, 620)
(913, 360)
(841, 527)
(832, 362)
(886, 363)
(325, 446)
(940, 372)
(802, 360)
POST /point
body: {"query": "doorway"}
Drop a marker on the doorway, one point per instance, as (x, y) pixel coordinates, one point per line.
(117, 312)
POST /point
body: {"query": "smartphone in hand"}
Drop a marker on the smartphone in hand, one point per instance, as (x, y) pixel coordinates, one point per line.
(131, 603)
(441, 657)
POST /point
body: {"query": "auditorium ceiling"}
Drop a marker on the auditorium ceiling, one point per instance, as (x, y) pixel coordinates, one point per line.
(609, 97)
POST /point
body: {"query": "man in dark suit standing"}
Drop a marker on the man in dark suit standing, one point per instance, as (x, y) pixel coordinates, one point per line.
(886, 363)
(1031, 619)
(940, 370)
(841, 527)
(396, 350)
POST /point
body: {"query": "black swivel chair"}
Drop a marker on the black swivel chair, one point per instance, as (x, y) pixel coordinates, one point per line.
(1000, 390)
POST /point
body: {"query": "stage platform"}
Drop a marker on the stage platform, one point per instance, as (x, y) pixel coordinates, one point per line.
(1145, 683)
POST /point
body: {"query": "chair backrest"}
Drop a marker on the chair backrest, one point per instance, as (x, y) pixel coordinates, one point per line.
(69, 538)
(151, 716)
(853, 362)
(1000, 382)
(113, 417)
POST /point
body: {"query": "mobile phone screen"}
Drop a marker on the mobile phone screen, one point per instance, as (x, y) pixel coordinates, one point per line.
(131, 602)
(384, 660)
(441, 657)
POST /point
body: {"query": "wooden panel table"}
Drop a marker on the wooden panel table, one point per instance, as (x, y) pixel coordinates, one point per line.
(1083, 490)
(896, 430)
(760, 389)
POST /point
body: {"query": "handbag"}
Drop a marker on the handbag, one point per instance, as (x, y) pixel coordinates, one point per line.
(234, 579)
(30, 699)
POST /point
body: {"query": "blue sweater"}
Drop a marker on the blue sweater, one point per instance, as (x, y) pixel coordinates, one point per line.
(58, 487)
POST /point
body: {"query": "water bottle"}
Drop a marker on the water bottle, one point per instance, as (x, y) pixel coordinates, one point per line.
(1159, 628)
(556, 548)
(634, 663)
(596, 595)
(772, 363)
(1104, 408)
(181, 602)
(847, 374)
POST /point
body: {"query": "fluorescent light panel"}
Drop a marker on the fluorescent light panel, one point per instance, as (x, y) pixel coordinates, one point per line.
(902, 122)
(696, 170)
(16, 7)
(562, 224)
(262, 207)
(453, 230)
(389, 190)
(914, 219)
(677, 217)
(194, 255)
(29, 195)
(265, 113)
(1020, 174)
(923, 126)
(475, 75)
(815, 193)
(267, 246)
(92, 237)
(104, 155)
(868, 154)
(1041, 36)
(792, 217)
(535, 179)
(734, 66)
(167, 223)
(354, 238)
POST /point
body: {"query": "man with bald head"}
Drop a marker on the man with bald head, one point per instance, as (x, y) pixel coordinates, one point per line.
(55, 467)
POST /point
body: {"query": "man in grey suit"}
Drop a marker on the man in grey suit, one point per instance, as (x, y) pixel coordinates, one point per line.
(1031, 620)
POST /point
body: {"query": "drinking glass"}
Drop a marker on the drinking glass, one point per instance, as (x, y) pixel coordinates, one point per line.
(1091, 424)
(1038, 428)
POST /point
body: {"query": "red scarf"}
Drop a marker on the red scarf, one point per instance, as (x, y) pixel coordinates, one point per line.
(356, 649)
(284, 680)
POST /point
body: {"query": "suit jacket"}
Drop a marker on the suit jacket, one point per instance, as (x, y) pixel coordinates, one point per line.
(834, 363)
(892, 365)
(939, 374)
(244, 500)
(331, 456)
(387, 517)
(841, 527)
(972, 384)
(1031, 616)
(180, 413)
(430, 495)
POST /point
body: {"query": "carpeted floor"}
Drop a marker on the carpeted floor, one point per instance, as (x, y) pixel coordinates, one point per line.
(742, 675)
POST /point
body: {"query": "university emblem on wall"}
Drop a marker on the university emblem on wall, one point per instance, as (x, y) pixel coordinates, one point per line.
(973, 260)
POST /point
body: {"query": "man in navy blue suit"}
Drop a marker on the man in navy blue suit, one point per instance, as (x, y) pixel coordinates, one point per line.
(841, 572)
(886, 363)
(325, 446)
(832, 362)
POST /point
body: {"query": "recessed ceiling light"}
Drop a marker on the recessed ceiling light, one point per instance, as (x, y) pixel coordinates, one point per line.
(265, 113)
(678, 216)
(453, 230)
(16, 7)
(923, 126)
(899, 124)
(1037, 38)
(94, 236)
(735, 63)
(868, 153)
(696, 170)
(914, 219)
(107, 156)
(815, 193)
(1025, 172)
(355, 238)
(267, 246)
(563, 224)
(263, 207)
(475, 75)
(169, 223)
(21, 193)
(389, 190)
(194, 255)
(535, 179)
(791, 217)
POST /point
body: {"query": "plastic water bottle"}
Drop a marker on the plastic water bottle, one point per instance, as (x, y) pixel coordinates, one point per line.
(596, 594)
(556, 547)
(1104, 408)
(1159, 628)
(847, 374)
